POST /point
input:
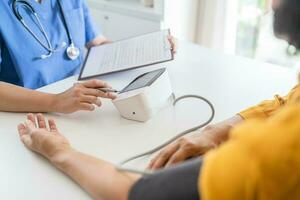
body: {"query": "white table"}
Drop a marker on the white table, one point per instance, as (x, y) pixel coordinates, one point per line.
(231, 83)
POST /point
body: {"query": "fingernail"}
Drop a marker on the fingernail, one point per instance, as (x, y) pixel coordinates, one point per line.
(98, 103)
(113, 95)
(20, 126)
(102, 82)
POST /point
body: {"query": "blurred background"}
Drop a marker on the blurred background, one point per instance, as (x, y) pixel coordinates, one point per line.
(240, 27)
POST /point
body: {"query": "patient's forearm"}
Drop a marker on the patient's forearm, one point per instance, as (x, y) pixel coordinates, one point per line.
(219, 132)
(18, 99)
(99, 178)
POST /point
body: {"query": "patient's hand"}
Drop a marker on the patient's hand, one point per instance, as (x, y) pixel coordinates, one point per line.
(46, 141)
(182, 149)
(196, 145)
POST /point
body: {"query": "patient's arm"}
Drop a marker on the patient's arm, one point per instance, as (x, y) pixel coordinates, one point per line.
(99, 178)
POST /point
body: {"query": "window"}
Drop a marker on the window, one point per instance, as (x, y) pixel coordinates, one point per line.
(245, 29)
(250, 13)
(251, 34)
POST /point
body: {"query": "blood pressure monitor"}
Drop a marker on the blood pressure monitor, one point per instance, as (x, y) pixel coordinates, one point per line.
(144, 96)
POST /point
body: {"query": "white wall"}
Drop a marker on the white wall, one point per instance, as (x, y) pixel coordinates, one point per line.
(215, 28)
(181, 17)
(124, 18)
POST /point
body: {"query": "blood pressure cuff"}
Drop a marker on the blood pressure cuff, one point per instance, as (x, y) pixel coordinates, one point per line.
(176, 183)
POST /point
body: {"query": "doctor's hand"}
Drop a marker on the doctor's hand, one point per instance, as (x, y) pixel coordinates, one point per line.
(174, 44)
(46, 141)
(196, 145)
(82, 96)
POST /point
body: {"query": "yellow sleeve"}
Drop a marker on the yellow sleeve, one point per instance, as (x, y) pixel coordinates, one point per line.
(270, 107)
(221, 174)
(265, 109)
(258, 162)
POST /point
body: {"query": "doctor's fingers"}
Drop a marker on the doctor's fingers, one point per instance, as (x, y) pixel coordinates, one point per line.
(174, 44)
(95, 84)
(108, 95)
(86, 106)
(98, 93)
(91, 99)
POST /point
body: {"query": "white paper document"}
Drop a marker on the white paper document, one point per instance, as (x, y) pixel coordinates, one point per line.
(127, 54)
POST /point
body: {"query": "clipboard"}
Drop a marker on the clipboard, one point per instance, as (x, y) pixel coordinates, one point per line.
(93, 64)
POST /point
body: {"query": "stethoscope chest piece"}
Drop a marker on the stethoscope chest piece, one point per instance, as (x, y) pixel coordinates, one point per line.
(73, 52)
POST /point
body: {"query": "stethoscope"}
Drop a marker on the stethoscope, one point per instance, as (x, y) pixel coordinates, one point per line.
(72, 51)
(291, 50)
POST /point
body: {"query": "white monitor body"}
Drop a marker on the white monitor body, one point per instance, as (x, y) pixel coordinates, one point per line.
(143, 103)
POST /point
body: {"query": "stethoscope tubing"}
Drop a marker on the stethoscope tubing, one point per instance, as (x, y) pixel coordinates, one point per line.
(48, 47)
(65, 23)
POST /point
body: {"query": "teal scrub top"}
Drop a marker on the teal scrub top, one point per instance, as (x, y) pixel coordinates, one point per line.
(20, 61)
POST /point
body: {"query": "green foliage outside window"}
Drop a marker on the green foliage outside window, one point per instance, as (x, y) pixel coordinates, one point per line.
(250, 13)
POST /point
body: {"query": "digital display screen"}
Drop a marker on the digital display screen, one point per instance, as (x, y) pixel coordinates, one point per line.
(144, 80)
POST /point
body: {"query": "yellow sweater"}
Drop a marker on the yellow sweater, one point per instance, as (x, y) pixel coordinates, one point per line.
(261, 161)
(270, 107)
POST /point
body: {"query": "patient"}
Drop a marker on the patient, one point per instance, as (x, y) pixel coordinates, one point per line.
(260, 159)
(286, 26)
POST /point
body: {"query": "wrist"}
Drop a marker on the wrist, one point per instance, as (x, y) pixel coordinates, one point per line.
(210, 140)
(61, 156)
(54, 103)
(216, 134)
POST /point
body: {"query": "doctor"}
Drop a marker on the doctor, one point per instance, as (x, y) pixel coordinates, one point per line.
(41, 42)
